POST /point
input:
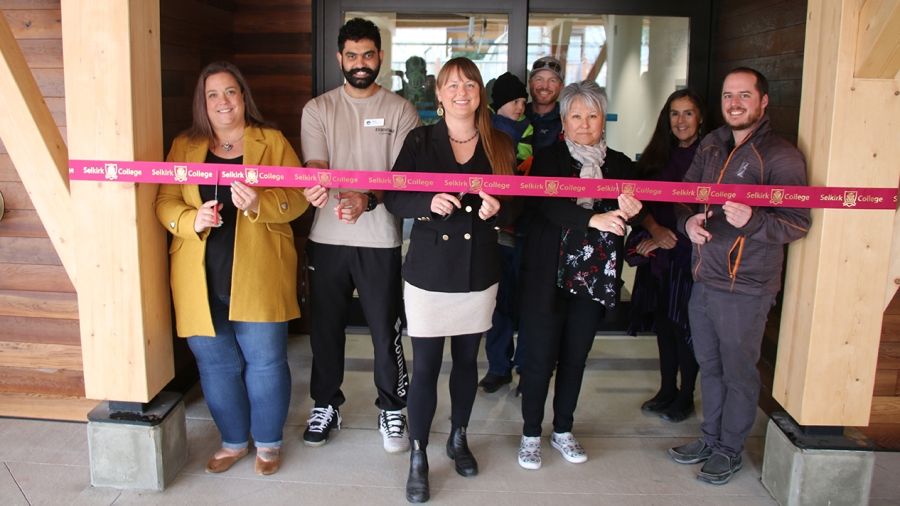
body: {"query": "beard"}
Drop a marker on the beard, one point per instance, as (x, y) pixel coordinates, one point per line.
(361, 82)
(753, 116)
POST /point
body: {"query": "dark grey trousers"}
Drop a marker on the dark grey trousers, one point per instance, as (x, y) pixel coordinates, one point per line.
(727, 330)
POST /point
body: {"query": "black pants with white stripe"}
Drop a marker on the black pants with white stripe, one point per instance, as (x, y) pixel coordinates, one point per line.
(334, 272)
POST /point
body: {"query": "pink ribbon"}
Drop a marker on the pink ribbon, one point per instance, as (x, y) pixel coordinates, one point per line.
(300, 177)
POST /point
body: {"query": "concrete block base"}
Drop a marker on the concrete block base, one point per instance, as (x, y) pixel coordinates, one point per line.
(806, 477)
(138, 456)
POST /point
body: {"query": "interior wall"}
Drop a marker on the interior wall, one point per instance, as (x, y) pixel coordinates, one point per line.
(193, 33)
(273, 47)
(767, 35)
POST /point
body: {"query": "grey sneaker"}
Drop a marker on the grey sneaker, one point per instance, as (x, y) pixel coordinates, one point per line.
(719, 469)
(694, 452)
(569, 447)
(530, 452)
(392, 425)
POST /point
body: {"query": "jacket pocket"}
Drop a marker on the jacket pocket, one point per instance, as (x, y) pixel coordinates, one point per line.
(282, 237)
(280, 229)
(177, 242)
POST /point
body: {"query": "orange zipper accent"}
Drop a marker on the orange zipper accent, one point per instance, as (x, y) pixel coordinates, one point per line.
(733, 269)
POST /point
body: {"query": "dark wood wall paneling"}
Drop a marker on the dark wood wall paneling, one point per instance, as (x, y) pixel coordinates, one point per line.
(273, 48)
(884, 426)
(38, 305)
(767, 35)
(193, 33)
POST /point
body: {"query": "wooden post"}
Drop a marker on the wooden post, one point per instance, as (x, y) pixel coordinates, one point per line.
(834, 294)
(113, 106)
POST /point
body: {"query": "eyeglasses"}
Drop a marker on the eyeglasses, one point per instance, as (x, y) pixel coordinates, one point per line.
(547, 64)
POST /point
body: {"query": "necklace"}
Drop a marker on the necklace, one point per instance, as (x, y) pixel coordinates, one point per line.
(465, 141)
(228, 146)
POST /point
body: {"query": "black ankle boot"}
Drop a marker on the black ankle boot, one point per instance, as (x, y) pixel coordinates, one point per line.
(417, 482)
(458, 450)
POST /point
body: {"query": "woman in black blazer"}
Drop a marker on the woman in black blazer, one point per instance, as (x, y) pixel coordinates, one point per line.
(571, 270)
(452, 266)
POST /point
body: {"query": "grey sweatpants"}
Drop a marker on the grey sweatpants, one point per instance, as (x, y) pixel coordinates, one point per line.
(727, 330)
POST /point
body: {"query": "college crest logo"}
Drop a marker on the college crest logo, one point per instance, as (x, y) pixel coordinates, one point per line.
(111, 171)
(552, 188)
(475, 184)
(777, 196)
(703, 193)
(399, 180)
(180, 173)
(849, 199)
(252, 176)
(628, 188)
(324, 178)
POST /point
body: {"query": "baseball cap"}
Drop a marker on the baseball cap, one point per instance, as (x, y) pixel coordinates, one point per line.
(546, 63)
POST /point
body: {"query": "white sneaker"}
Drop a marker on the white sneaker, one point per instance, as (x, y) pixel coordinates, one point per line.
(392, 425)
(530, 452)
(569, 447)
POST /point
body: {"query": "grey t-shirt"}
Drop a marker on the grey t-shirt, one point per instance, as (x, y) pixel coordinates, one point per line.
(356, 134)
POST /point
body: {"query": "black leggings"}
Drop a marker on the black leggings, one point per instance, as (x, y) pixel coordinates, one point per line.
(428, 354)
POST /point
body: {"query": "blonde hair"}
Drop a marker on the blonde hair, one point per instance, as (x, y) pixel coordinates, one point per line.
(497, 145)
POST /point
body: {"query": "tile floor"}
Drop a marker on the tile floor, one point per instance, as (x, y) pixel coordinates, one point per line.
(47, 462)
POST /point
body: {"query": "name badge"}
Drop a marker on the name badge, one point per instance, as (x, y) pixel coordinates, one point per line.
(373, 122)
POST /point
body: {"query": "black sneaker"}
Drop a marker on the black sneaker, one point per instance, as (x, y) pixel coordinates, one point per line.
(694, 452)
(320, 423)
(492, 382)
(719, 469)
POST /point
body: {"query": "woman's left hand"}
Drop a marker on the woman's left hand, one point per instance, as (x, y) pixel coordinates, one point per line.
(244, 198)
(489, 206)
(630, 205)
(646, 246)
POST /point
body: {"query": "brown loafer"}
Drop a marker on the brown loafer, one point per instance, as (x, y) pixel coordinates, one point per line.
(222, 464)
(268, 461)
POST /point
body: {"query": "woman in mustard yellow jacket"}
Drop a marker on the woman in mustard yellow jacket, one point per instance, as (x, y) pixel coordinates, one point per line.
(234, 268)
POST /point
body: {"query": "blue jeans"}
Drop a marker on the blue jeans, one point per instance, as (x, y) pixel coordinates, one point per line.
(498, 342)
(245, 378)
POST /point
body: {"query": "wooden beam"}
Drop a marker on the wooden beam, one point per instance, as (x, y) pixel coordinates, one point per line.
(833, 303)
(878, 41)
(51, 407)
(36, 147)
(113, 108)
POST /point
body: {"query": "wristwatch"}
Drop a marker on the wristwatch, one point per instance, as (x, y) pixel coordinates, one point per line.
(373, 201)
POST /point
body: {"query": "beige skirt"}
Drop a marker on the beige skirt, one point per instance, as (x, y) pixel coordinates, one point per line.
(442, 314)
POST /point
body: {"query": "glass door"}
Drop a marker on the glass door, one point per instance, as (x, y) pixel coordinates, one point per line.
(416, 45)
